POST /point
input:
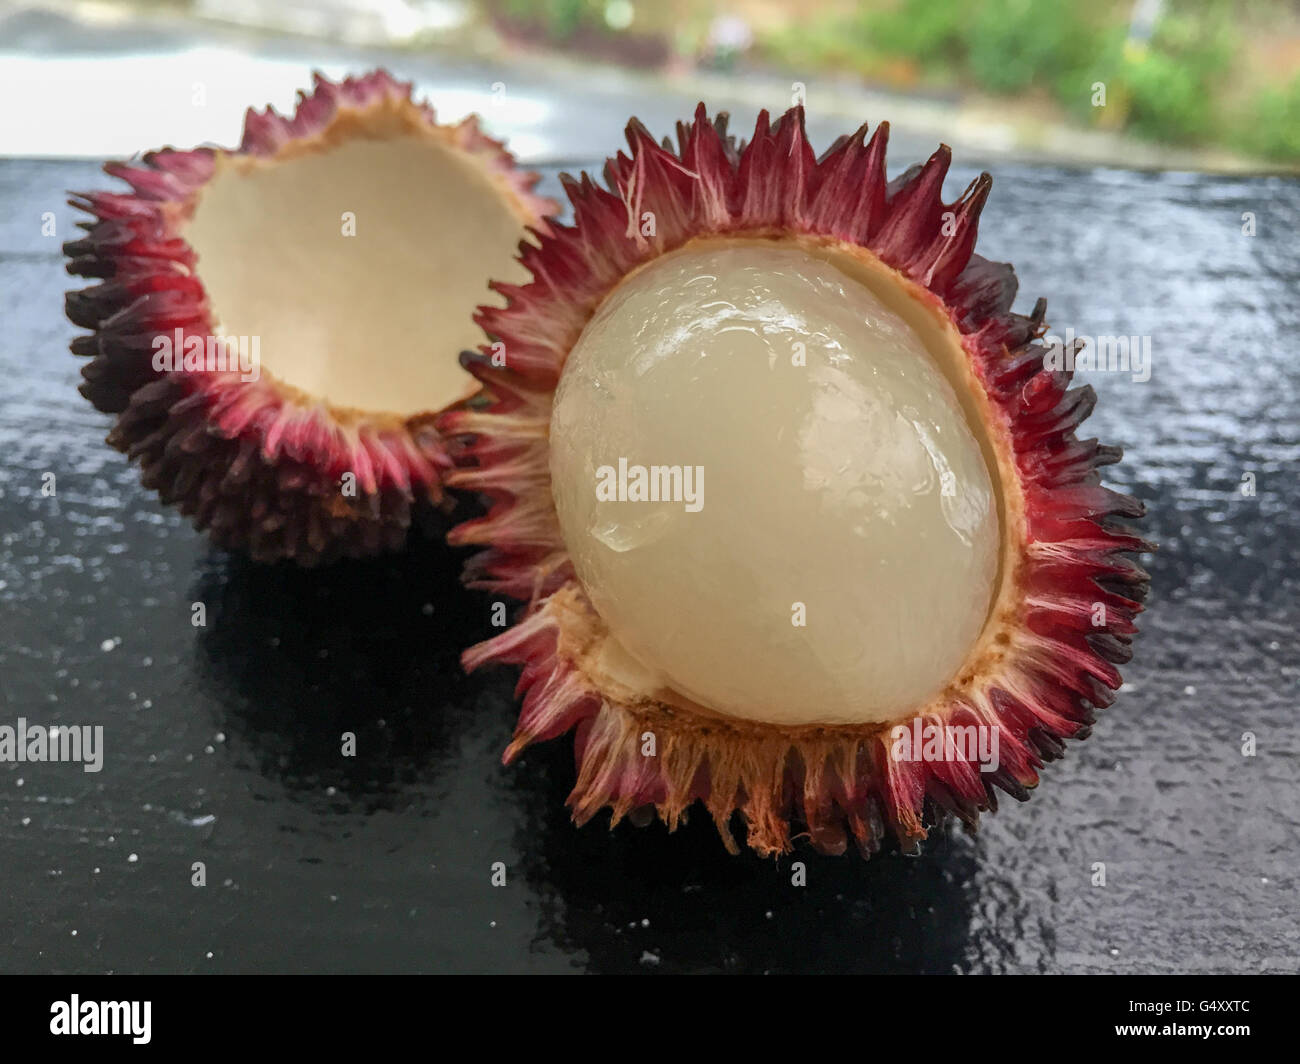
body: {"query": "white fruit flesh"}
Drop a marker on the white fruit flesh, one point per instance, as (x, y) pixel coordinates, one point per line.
(358, 268)
(836, 559)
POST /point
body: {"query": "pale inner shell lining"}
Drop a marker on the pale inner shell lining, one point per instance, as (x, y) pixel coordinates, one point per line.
(372, 321)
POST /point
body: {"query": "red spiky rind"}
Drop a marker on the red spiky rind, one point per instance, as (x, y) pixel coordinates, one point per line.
(1079, 590)
(259, 465)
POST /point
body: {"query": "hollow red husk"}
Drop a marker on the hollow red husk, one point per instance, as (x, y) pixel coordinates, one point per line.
(303, 458)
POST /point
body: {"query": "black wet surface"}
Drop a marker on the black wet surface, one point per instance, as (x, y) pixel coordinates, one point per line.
(222, 742)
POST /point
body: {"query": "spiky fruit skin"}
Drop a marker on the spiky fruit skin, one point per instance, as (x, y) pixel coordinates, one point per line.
(257, 464)
(1047, 665)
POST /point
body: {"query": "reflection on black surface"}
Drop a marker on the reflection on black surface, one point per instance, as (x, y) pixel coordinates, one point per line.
(1202, 839)
(708, 911)
(298, 657)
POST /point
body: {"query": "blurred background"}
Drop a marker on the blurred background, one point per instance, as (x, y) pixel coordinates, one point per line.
(1172, 84)
(1145, 155)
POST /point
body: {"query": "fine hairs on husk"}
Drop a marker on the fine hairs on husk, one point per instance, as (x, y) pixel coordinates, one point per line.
(1043, 664)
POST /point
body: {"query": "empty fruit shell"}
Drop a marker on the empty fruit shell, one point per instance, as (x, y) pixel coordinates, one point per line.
(277, 326)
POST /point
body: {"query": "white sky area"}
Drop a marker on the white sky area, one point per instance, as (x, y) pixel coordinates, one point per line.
(118, 106)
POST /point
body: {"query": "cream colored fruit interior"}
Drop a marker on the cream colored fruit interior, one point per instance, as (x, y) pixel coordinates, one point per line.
(373, 321)
(833, 553)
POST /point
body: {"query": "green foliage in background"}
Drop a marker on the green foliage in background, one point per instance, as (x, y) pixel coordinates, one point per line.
(1177, 88)
(1172, 89)
(1173, 86)
(1272, 127)
(1013, 44)
(929, 33)
(1167, 100)
(561, 18)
